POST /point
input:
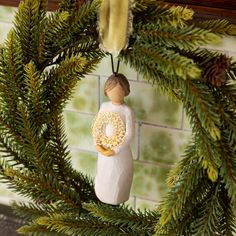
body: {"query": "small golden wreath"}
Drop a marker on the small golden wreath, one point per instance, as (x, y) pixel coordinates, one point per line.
(101, 120)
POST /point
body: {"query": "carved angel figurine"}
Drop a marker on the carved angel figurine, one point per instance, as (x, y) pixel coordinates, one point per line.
(113, 129)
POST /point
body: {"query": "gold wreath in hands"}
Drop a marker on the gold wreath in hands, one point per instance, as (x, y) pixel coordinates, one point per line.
(99, 125)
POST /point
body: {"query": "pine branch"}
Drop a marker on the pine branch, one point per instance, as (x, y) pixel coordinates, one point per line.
(210, 214)
(233, 67)
(200, 215)
(187, 181)
(200, 97)
(55, 25)
(228, 92)
(69, 31)
(11, 75)
(207, 149)
(204, 115)
(39, 66)
(12, 92)
(187, 38)
(31, 211)
(225, 146)
(170, 85)
(71, 5)
(59, 82)
(12, 153)
(81, 24)
(221, 27)
(228, 220)
(34, 144)
(40, 188)
(199, 55)
(190, 213)
(228, 120)
(68, 5)
(43, 6)
(28, 22)
(61, 162)
(129, 221)
(35, 103)
(69, 224)
(13, 144)
(86, 47)
(37, 230)
(167, 61)
(228, 169)
(161, 14)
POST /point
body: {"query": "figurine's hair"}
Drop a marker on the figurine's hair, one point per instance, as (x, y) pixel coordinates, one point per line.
(115, 79)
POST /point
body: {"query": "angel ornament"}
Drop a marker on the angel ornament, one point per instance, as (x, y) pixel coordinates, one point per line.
(113, 129)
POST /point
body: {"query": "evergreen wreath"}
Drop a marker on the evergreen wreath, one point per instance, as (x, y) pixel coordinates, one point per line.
(40, 63)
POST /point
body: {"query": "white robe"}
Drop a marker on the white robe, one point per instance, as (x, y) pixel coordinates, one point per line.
(114, 174)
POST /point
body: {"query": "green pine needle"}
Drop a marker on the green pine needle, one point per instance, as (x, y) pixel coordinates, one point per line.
(41, 61)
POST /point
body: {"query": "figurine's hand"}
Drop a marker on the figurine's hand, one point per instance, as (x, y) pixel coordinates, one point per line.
(108, 152)
(100, 148)
(104, 151)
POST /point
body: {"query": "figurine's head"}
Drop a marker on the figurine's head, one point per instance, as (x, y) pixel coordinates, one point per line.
(116, 88)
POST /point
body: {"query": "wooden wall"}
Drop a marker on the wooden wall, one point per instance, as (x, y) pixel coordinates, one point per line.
(205, 10)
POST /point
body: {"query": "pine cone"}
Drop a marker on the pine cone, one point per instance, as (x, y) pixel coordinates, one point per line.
(215, 71)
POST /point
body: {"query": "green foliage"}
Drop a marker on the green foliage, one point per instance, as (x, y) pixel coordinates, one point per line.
(188, 37)
(42, 60)
(174, 64)
(151, 11)
(188, 181)
(221, 27)
(25, 25)
(37, 77)
(67, 5)
(194, 204)
(128, 221)
(101, 220)
(190, 208)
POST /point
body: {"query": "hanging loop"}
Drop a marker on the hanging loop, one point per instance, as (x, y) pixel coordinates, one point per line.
(115, 72)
